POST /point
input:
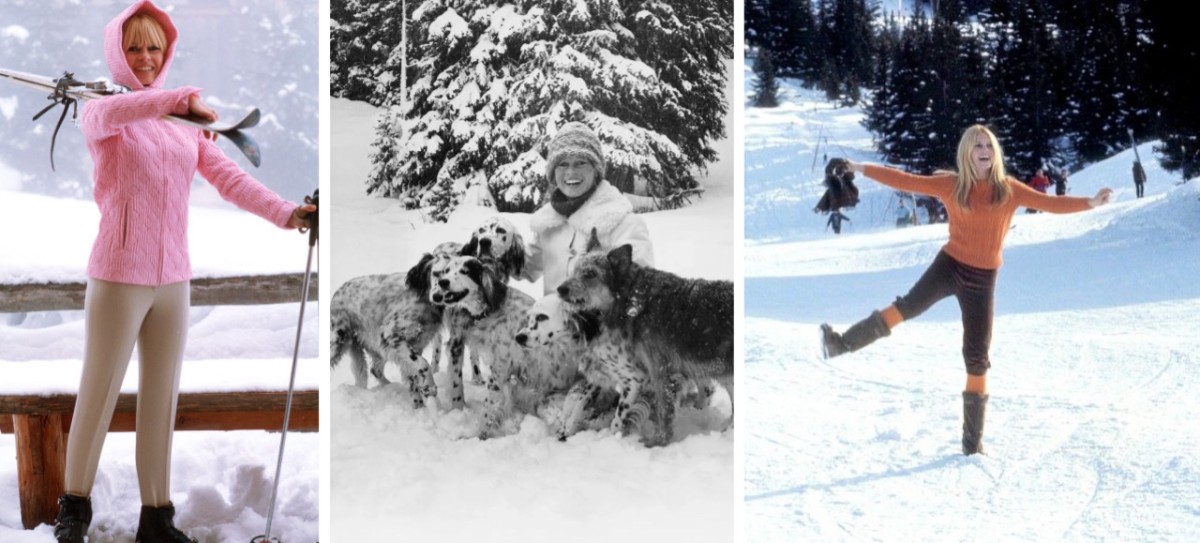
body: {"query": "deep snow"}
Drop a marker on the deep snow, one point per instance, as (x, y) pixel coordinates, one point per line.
(1091, 430)
(424, 471)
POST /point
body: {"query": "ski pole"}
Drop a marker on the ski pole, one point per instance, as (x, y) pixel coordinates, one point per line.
(287, 410)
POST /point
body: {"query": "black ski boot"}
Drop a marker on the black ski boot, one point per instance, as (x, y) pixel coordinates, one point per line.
(974, 408)
(157, 525)
(861, 334)
(74, 517)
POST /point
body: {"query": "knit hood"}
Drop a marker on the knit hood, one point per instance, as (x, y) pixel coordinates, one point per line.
(114, 49)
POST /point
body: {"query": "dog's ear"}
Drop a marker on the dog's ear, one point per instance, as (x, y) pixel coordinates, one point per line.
(418, 276)
(514, 258)
(472, 247)
(621, 258)
(593, 243)
(588, 323)
(494, 292)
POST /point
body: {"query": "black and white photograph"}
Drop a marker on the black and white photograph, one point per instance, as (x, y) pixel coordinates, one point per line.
(156, 160)
(531, 209)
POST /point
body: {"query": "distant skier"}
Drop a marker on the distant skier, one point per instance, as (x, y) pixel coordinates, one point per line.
(1060, 182)
(1139, 178)
(835, 221)
(904, 216)
(139, 272)
(980, 202)
(1040, 183)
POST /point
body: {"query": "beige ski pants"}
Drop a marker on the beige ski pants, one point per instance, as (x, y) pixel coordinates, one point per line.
(116, 316)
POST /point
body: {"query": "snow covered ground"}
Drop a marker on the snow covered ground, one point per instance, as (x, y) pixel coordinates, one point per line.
(423, 471)
(221, 481)
(1091, 430)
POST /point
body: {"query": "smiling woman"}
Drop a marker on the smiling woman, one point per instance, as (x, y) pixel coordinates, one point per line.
(578, 203)
(144, 42)
(980, 202)
(139, 272)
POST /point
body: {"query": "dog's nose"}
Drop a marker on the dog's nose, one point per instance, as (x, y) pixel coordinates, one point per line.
(444, 283)
(522, 338)
(485, 244)
(563, 291)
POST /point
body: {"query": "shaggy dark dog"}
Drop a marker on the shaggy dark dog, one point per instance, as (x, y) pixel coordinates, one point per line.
(840, 191)
(679, 328)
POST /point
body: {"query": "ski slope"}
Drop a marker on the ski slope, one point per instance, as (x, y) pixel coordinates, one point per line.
(1091, 431)
(426, 473)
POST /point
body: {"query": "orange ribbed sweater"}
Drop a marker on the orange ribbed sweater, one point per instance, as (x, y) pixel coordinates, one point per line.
(976, 235)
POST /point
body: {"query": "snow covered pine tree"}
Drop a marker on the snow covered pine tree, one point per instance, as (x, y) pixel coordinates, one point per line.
(490, 82)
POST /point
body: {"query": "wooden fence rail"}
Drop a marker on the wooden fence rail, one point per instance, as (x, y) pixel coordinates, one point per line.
(41, 422)
(239, 290)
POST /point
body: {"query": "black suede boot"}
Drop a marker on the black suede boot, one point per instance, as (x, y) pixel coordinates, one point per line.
(861, 334)
(974, 409)
(157, 525)
(74, 517)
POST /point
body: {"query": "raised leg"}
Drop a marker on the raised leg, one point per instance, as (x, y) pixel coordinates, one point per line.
(456, 347)
(575, 408)
(494, 406)
(377, 364)
(629, 388)
(666, 405)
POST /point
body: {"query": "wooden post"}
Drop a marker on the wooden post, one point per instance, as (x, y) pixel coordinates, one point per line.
(41, 461)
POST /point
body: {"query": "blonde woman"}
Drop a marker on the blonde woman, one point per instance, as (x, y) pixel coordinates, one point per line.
(139, 271)
(579, 200)
(980, 201)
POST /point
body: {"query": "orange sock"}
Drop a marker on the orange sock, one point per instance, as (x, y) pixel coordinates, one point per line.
(891, 316)
(977, 384)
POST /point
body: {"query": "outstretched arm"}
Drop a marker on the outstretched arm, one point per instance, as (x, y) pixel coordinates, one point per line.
(940, 186)
(243, 190)
(1028, 197)
(105, 117)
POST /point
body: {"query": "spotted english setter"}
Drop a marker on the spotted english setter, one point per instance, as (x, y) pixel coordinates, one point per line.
(606, 362)
(482, 313)
(358, 310)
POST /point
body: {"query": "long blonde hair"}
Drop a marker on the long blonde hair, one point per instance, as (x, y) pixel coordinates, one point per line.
(142, 28)
(966, 168)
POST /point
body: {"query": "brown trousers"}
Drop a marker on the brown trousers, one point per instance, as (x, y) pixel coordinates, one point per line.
(974, 288)
(116, 316)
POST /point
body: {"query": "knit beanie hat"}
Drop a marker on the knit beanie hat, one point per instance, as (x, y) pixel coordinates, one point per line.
(574, 139)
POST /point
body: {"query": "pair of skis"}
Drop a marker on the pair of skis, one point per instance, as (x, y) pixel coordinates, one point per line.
(66, 91)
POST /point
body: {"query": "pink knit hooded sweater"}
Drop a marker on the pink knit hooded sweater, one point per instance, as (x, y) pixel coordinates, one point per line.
(144, 168)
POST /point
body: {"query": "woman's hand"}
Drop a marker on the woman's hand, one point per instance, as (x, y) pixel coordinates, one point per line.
(197, 107)
(299, 218)
(1101, 197)
(849, 164)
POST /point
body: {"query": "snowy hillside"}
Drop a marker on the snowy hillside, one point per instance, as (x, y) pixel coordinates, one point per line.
(1091, 430)
(221, 481)
(425, 470)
